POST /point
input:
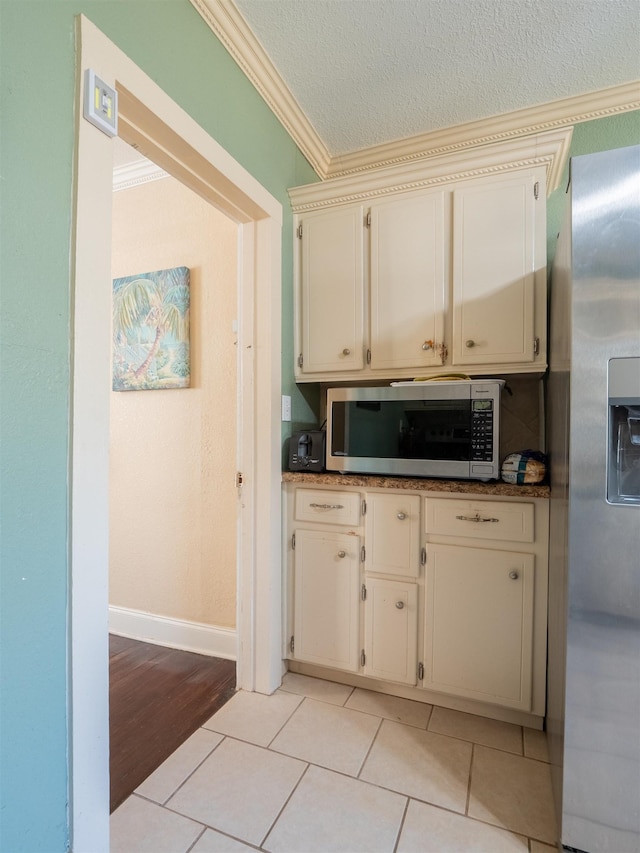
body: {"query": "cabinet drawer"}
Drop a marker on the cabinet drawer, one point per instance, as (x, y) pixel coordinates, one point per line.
(327, 507)
(511, 522)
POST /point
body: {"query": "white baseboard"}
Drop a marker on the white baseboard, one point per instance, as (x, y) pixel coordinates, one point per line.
(174, 633)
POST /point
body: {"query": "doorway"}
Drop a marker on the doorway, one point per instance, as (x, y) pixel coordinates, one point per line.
(172, 465)
(173, 451)
(161, 130)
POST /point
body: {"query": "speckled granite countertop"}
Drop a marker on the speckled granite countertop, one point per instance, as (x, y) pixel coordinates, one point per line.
(468, 487)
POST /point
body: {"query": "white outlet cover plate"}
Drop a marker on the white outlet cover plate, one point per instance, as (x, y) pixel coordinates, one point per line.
(286, 407)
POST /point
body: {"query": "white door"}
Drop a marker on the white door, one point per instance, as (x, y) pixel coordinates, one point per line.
(326, 598)
(391, 630)
(393, 534)
(493, 271)
(332, 295)
(479, 624)
(407, 282)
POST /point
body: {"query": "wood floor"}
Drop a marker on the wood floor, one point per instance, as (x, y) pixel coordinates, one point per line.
(158, 697)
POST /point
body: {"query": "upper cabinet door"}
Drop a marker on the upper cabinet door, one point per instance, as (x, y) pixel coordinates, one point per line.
(408, 282)
(332, 290)
(494, 271)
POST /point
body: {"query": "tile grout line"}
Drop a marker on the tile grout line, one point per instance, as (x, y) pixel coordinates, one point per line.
(401, 827)
(429, 718)
(467, 740)
(468, 801)
(290, 717)
(381, 720)
(208, 826)
(284, 805)
(137, 793)
(368, 753)
(318, 699)
(186, 779)
(452, 811)
(188, 850)
(174, 812)
(346, 776)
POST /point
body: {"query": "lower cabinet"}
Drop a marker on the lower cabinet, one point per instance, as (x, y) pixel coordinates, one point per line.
(443, 596)
(479, 606)
(327, 599)
(391, 630)
(392, 534)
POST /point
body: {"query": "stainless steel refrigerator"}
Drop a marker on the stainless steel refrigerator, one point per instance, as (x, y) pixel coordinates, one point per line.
(593, 428)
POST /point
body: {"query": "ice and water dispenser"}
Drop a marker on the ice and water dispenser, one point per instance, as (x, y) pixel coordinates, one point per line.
(623, 481)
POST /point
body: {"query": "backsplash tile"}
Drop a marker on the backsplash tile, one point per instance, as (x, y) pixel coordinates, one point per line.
(521, 417)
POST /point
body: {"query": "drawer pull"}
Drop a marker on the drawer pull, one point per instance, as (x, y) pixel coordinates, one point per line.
(514, 576)
(342, 554)
(400, 605)
(327, 506)
(477, 519)
(401, 516)
(346, 351)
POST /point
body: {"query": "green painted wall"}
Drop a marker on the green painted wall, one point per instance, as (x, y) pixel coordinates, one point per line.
(172, 44)
(169, 41)
(591, 136)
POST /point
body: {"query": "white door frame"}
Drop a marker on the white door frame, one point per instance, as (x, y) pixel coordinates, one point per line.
(166, 134)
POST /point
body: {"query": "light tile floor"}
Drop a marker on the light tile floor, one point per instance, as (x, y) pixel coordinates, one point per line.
(321, 767)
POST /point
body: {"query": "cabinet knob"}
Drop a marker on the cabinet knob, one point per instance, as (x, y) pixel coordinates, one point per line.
(346, 351)
(469, 344)
(400, 605)
(401, 516)
(342, 554)
(514, 576)
(427, 345)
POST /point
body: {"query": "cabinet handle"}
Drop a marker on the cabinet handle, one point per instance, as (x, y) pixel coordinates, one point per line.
(514, 576)
(342, 554)
(427, 345)
(469, 344)
(476, 519)
(327, 506)
(400, 605)
(346, 351)
(401, 516)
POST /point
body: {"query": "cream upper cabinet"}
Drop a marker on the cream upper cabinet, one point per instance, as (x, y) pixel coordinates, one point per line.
(331, 291)
(408, 265)
(449, 275)
(494, 270)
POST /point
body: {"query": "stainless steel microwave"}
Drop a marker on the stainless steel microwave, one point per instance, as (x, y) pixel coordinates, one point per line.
(417, 429)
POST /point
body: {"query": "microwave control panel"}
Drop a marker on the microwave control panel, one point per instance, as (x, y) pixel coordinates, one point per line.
(482, 431)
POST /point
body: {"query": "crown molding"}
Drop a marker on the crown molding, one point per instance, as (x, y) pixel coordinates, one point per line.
(227, 23)
(136, 174)
(554, 115)
(544, 150)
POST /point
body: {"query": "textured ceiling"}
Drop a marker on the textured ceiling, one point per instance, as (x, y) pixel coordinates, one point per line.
(367, 72)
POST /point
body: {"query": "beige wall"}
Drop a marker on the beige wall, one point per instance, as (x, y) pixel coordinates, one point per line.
(173, 452)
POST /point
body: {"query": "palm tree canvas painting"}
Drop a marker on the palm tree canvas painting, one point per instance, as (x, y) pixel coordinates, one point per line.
(151, 331)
